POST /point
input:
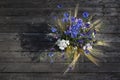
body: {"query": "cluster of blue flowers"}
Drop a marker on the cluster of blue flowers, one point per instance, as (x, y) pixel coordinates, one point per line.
(74, 29)
(77, 30)
(77, 26)
(74, 36)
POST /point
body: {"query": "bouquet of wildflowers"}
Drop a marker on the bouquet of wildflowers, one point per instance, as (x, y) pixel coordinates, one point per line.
(74, 37)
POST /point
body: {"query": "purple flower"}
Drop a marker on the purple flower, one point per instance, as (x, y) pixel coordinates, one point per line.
(53, 29)
(85, 14)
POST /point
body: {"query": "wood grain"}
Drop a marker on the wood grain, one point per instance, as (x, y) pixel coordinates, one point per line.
(58, 67)
(60, 76)
(23, 29)
(27, 57)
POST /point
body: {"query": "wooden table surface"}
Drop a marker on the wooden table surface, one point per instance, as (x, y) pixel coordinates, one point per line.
(23, 25)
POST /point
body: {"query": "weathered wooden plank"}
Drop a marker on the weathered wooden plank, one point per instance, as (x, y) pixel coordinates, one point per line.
(48, 11)
(44, 19)
(110, 29)
(41, 37)
(112, 4)
(65, 4)
(108, 37)
(58, 67)
(105, 60)
(53, 4)
(35, 45)
(43, 11)
(115, 11)
(27, 57)
(36, 28)
(59, 76)
(26, 45)
(34, 24)
(37, 41)
(38, 11)
(17, 65)
(110, 47)
(8, 36)
(14, 54)
(107, 1)
(19, 28)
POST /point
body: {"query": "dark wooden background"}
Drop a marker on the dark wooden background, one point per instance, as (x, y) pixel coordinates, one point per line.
(23, 25)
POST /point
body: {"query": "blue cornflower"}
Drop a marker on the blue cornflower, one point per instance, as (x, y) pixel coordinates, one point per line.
(76, 26)
(89, 33)
(95, 32)
(72, 19)
(74, 30)
(70, 68)
(65, 19)
(74, 34)
(80, 41)
(52, 49)
(67, 32)
(82, 34)
(85, 14)
(50, 54)
(87, 25)
(80, 23)
(63, 55)
(53, 29)
(87, 51)
(59, 6)
(66, 15)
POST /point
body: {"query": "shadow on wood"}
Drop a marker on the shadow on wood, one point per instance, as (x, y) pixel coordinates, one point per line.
(34, 43)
